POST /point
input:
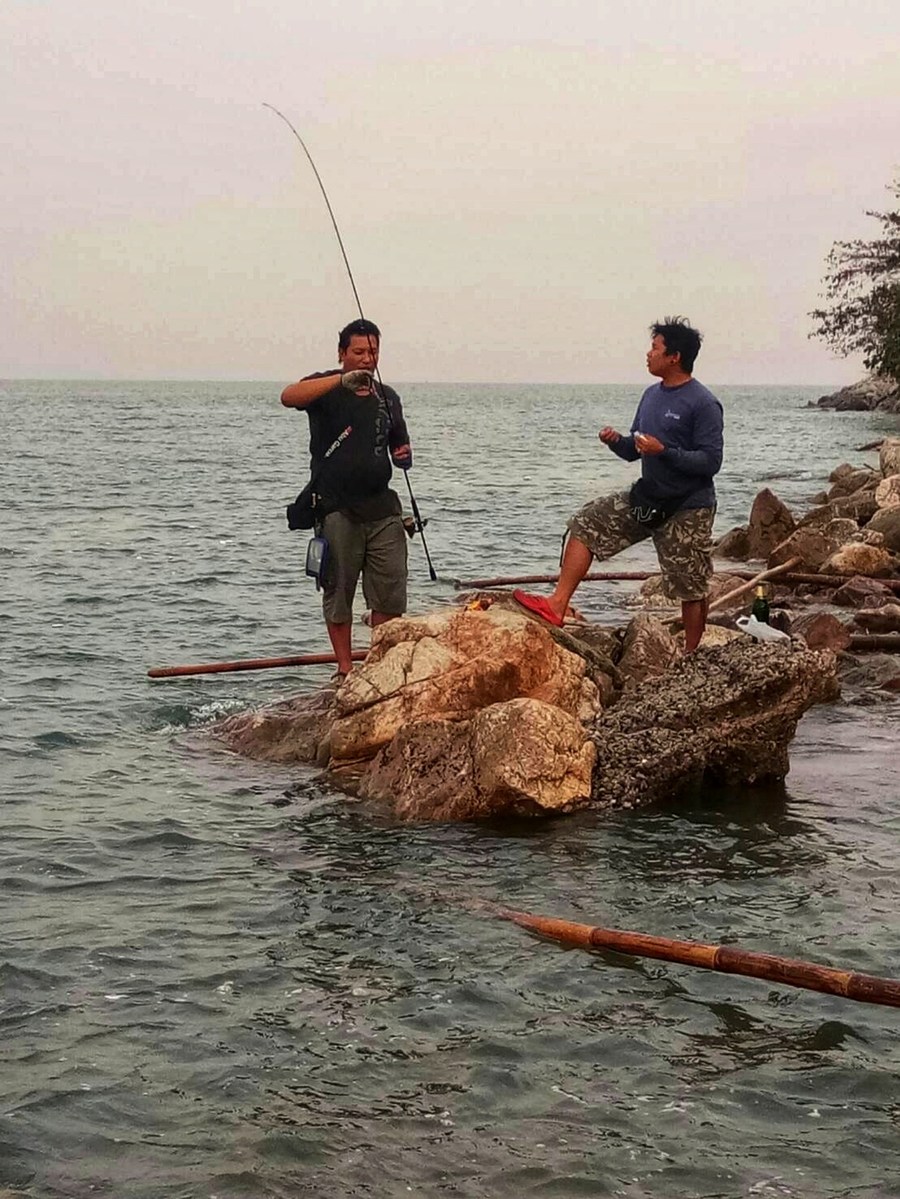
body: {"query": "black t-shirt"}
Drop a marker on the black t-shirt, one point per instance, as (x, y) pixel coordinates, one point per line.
(350, 437)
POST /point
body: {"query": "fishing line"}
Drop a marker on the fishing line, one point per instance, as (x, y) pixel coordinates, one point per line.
(417, 516)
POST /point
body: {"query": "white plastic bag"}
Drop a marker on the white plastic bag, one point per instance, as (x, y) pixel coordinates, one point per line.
(759, 630)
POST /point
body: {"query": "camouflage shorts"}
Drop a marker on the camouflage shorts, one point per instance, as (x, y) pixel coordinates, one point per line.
(683, 544)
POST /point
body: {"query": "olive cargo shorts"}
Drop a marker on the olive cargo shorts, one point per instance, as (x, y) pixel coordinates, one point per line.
(683, 544)
(377, 550)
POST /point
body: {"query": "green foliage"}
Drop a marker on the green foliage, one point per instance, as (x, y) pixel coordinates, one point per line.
(862, 293)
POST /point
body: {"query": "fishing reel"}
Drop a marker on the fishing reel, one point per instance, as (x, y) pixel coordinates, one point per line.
(410, 527)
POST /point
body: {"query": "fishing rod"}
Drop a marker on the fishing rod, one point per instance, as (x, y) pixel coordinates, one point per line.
(417, 516)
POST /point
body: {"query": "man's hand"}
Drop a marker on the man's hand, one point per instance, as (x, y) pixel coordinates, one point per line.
(402, 457)
(609, 436)
(357, 380)
(645, 444)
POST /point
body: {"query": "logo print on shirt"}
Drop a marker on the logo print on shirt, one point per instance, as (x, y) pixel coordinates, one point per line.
(670, 415)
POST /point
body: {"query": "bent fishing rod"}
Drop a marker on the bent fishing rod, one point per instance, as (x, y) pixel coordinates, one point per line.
(417, 516)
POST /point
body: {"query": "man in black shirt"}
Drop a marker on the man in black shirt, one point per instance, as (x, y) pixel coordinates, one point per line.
(356, 429)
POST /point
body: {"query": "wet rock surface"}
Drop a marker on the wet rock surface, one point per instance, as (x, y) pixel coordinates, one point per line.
(723, 714)
(429, 726)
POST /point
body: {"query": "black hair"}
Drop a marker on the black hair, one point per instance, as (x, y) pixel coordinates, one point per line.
(679, 338)
(358, 328)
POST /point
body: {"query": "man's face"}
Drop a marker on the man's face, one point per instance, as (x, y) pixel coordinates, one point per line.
(361, 354)
(659, 360)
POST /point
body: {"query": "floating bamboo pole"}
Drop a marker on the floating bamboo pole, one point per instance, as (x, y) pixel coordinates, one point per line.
(168, 672)
(791, 972)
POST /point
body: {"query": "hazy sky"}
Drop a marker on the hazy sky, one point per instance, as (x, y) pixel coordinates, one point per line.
(521, 186)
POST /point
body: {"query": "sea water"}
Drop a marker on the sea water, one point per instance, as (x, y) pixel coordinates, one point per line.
(219, 978)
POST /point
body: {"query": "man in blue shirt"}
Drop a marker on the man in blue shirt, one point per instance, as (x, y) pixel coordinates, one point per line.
(677, 435)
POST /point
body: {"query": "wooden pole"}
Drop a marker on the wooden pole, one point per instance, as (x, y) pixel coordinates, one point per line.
(168, 672)
(613, 576)
(886, 643)
(791, 972)
(641, 575)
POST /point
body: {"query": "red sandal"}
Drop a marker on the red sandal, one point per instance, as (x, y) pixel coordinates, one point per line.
(538, 606)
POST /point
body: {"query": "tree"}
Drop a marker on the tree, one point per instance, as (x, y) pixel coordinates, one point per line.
(862, 291)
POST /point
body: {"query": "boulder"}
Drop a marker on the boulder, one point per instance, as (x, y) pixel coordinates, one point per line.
(844, 471)
(889, 456)
(848, 483)
(447, 666)
(287, 731)
(862, 592)
(817, 517)
(821, 630)
(523, 757)
(770, 523)
(886, 521)
(887, 493)
(735, 544)
(856, 558)
(860, 507)
(812, 544)
(725, 714)
(648, 650)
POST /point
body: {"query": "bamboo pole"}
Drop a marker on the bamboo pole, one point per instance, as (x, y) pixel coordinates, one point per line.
(168, 672)
(760, 578)
(887, 643)
(641, 575)
(595, 576)
(791, 972)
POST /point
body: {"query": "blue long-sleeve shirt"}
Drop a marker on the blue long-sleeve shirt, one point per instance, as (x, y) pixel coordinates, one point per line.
(688, 420)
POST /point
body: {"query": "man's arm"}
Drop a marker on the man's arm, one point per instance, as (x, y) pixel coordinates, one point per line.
(307, 391)
(706, 456)
(398, 438)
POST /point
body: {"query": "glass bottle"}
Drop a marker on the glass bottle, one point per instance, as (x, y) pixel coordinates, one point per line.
(760, 608)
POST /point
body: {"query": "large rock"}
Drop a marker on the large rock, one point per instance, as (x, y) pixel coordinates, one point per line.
(724, 714)
(523, 757)
(889, 456)
(287, 731)
(848, 483)
(447, 666)
(856, 558)
(649, 649)
(862, 592)
(860, 507)
(735, 544)
(770, 523)
(813, 544)
(821, 630)
(886, 521)
(887, 493)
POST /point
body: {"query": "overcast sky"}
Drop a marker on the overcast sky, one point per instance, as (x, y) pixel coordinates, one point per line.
(522, 186)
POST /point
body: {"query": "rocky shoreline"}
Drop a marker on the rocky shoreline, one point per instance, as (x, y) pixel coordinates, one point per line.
(873, 394)
(478, 710)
